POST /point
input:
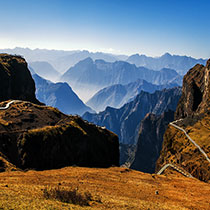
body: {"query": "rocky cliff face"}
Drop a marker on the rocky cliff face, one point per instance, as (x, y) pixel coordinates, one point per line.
(195, 91)
(193, 108)
(15, 79)
(40, 137)
(150, 141)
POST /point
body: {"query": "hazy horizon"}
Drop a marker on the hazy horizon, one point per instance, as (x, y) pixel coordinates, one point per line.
(119, 27)
(80, 50)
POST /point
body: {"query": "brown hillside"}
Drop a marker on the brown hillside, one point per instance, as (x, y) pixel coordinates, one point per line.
(112, 188)
(194, 108)
(179, 150)
(40, 137)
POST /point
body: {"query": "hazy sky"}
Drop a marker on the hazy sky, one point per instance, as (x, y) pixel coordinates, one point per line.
(150, 27)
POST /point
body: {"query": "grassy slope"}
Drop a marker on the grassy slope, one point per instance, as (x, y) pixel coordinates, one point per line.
(118, 188)
(177, 148)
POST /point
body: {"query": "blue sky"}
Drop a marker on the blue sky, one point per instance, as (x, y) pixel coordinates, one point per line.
(150, 27)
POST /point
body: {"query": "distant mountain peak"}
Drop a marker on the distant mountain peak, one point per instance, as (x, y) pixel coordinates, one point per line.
(166, 55)
(87, 60)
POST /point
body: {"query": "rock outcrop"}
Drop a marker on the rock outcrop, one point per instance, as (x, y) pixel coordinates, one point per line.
(195, 97)
(40, 137)
(15, 79)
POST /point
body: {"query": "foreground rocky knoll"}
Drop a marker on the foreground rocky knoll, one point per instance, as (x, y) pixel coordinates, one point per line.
(40, 137)
(194, 110)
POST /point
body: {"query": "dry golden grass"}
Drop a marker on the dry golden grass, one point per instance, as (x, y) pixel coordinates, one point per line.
(118, 188)
(199, 132)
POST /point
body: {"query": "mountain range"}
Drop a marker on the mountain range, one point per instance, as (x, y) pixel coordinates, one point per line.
(65, 62)
(88, 76)
(62, 60)
(118, 95)
(179, 63)
(38, 137)
(59, 95)
(125, 121)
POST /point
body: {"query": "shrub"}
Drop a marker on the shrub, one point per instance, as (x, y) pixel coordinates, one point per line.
(68, 196)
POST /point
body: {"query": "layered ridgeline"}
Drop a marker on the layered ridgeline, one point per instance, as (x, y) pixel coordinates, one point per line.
(88, 76)
(59, 95)
(61, 60)
(45, 70)
(65, 62)
(40, 137)
(118, 95)
(193, 115)
(179, 63)
(125, 121)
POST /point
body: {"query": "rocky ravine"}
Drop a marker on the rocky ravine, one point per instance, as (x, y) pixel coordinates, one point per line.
(194, 108)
